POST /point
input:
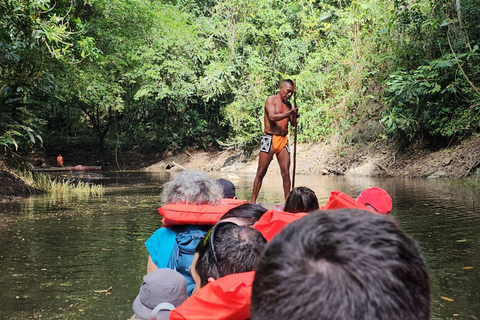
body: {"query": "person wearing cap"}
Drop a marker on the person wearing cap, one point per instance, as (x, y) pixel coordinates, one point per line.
(376, 199)
(228, 188)
(161, 291)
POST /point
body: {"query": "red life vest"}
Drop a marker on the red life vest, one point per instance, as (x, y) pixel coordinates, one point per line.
(224, 299)
(197, 214)
(273, 221)
(340, 200)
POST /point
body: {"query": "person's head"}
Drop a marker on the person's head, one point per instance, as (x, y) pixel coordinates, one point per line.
(341, 264)
(227, 187)
(377, 199)
(191, 187)
(226, 249)
(286, 89)
(245, 214)
(162, 288)
(301, 199)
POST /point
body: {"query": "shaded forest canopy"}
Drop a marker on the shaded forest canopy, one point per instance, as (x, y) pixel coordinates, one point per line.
(167, 75)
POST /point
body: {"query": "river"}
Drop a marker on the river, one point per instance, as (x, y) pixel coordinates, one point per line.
(65, 257)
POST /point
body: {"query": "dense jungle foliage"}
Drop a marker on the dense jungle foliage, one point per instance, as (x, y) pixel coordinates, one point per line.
(165, 75)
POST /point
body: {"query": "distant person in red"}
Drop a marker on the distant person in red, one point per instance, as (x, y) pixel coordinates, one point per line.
(60, 160)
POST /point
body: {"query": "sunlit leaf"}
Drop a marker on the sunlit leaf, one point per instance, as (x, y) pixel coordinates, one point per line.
(447, 299)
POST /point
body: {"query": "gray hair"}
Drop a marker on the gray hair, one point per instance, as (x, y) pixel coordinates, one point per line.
(192, 188)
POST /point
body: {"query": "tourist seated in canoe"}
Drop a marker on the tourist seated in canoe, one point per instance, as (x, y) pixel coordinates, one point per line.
(273, 221)
(223, 274)
(192, 205)
(228, 192)
(341, 264)
(374, 199)
(228, 188)
(162, 291)
(301, 199)
(246, 214)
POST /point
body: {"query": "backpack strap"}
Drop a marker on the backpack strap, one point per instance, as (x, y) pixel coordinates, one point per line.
(166, 245)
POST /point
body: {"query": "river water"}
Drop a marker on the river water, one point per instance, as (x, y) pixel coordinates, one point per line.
(65, 257)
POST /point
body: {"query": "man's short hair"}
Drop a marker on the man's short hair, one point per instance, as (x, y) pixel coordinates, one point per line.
(341, 264)
(289, 81)
(235, 249)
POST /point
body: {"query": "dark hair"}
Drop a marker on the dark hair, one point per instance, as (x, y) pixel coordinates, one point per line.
(341, 264)
(289, 81)
(301, 199)
(248, 212)
(228, 188)
(236, 249)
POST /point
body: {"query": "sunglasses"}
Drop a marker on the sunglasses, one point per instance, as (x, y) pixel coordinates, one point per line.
(208, 241)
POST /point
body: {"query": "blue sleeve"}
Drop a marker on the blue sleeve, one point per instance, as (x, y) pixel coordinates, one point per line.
(160, 246)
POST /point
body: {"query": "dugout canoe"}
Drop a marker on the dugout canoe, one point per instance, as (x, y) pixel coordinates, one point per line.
(78, 168)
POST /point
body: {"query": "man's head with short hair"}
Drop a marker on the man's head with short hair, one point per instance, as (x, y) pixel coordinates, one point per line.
(301, 199)
(341, 264)
(287, 81)
(286, 89)
(226, 249)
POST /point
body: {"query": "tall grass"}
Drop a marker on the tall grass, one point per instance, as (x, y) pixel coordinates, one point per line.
(48, 184)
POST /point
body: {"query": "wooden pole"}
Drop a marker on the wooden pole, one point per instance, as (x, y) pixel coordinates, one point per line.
(295, 133)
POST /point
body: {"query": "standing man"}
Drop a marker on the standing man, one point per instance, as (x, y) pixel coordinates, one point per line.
(278, 112)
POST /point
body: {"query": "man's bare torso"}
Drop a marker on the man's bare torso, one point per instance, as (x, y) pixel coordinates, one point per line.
(280, 127)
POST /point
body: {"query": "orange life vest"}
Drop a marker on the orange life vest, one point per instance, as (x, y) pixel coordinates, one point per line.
(196, 214)
(273, 221)
(233, 202)
(340, 200)
(224, 299)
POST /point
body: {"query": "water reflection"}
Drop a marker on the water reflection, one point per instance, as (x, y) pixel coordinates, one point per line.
(84, 258)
